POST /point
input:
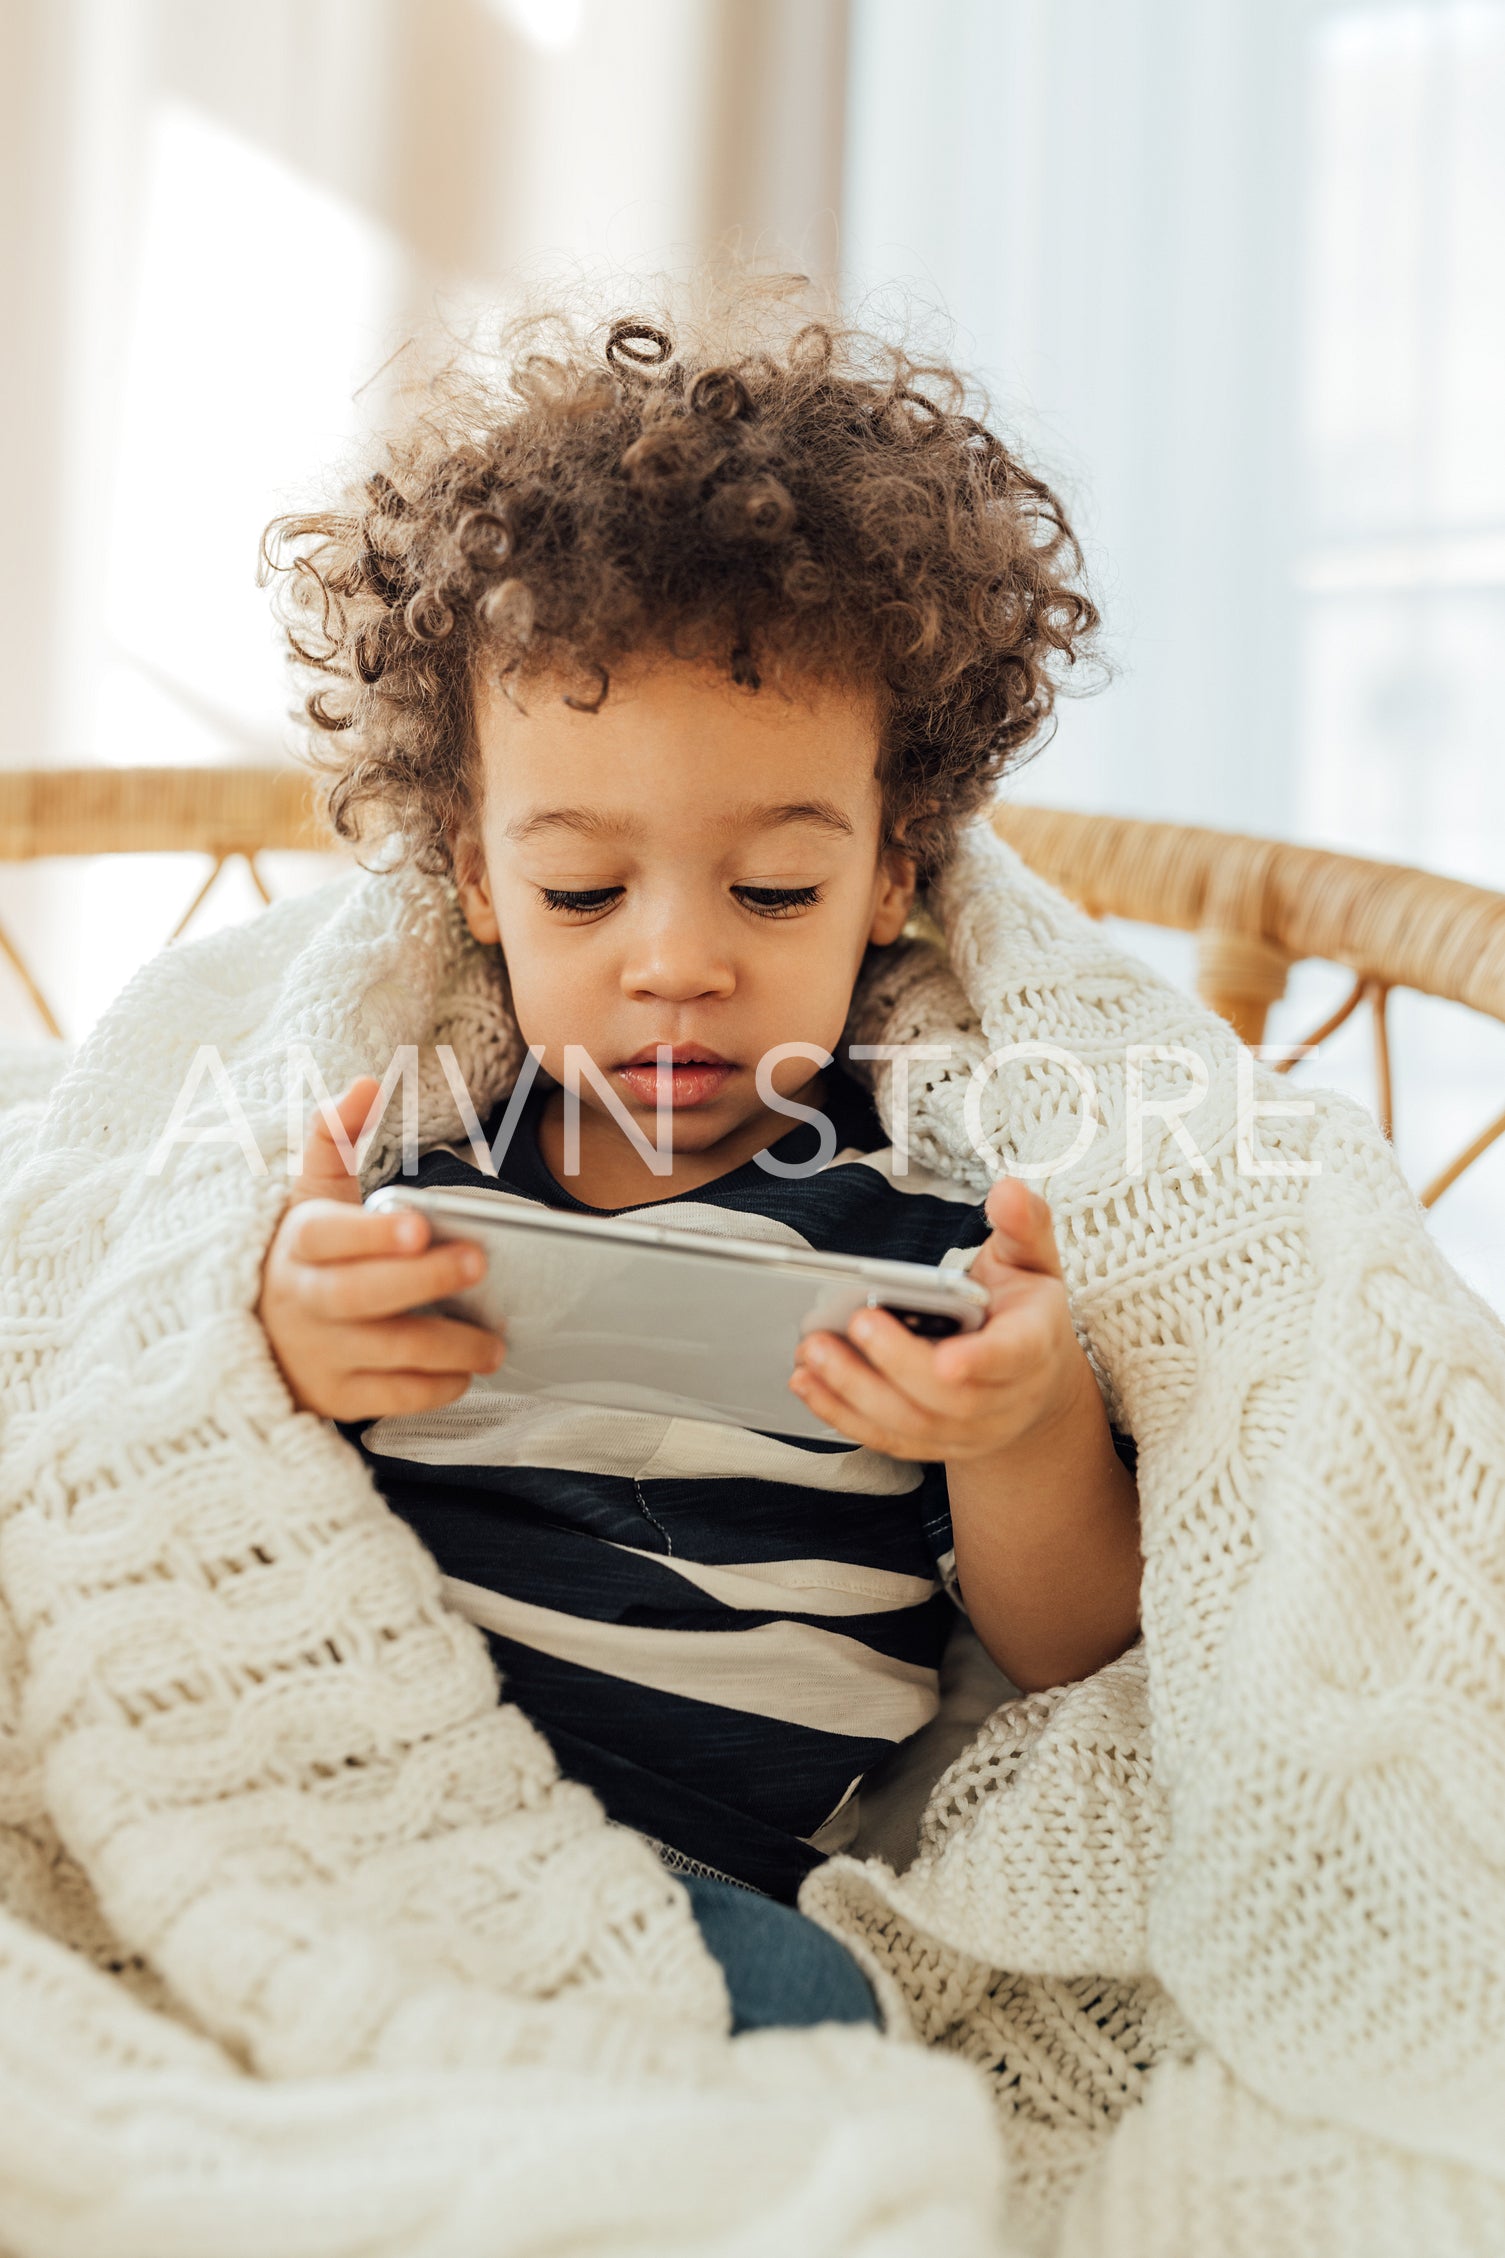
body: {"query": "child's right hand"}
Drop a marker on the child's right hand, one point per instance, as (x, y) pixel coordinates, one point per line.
(338, 1283)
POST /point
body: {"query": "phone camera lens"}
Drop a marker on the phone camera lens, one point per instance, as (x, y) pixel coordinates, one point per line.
(929, 1324)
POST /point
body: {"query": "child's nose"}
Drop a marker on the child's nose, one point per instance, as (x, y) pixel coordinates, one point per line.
(677, 963)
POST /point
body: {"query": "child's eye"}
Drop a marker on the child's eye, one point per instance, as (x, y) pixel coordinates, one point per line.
(579, 901)
(776, 901)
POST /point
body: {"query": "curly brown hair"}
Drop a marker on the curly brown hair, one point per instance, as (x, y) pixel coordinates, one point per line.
(806, 503)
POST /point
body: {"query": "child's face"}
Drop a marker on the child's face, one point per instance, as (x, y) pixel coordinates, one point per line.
(691, 865)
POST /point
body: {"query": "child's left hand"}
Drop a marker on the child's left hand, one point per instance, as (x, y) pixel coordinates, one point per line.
(976, 1393)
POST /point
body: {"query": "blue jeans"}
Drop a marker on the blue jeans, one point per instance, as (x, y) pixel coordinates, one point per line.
(780, 1969)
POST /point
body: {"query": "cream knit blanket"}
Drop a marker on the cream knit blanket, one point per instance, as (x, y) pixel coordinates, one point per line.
(309, 1950)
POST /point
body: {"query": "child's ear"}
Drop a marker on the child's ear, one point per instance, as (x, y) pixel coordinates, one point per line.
(474, 888)
(893, 897)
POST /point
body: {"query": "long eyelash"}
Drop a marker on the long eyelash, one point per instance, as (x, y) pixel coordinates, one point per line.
(763, 901)
(579, 901)
(776, 901)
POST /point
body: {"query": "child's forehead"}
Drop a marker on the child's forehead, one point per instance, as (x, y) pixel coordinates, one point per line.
(681, 741)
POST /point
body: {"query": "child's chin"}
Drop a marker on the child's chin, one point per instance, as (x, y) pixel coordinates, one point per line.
(694, 1128)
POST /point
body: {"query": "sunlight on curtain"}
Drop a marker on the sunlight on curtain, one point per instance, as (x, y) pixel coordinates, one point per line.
(263, 306)
(552, 25)
(259, 307)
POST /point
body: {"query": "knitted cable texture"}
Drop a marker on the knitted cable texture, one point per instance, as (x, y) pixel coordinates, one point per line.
(307, 1946)
(1287, 1809)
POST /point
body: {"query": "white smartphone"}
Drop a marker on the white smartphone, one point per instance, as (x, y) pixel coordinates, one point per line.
(647, 1317)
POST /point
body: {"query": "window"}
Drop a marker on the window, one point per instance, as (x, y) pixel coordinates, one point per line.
(1236, 276)
(1402, 569)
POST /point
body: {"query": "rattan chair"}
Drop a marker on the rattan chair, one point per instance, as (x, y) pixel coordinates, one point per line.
(1255, 905)
(219, 812)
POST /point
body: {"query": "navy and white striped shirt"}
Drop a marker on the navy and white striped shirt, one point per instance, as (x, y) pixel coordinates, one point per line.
(719, 1631)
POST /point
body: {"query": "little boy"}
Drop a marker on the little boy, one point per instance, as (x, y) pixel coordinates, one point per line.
(687, 667)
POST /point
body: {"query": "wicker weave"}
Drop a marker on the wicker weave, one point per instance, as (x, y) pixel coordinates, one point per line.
(1258, 905)
(221, 812)
(118, 811)
(1395, 927)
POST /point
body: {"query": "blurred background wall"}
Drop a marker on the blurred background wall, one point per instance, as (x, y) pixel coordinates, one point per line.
(1233, 269)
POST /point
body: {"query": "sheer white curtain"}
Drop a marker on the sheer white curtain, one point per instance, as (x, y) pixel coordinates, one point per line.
(1101, 197)
(1236, 270)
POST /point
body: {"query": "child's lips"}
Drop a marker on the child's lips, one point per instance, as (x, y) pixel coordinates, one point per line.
(679, 1083)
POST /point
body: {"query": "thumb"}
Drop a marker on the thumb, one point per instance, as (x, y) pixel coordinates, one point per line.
(326, 1174)
(1022, 1238)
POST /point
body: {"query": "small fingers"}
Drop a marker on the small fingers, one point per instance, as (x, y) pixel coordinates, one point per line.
(385, 1286)
(438, 1345)
(836, 1412)
(891, 1421)
(322, 1166)
(905, 1359)
(1023, 1332)
(1023, 1235)
(325, 1230)
(392, 1395)
(949, 1378)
